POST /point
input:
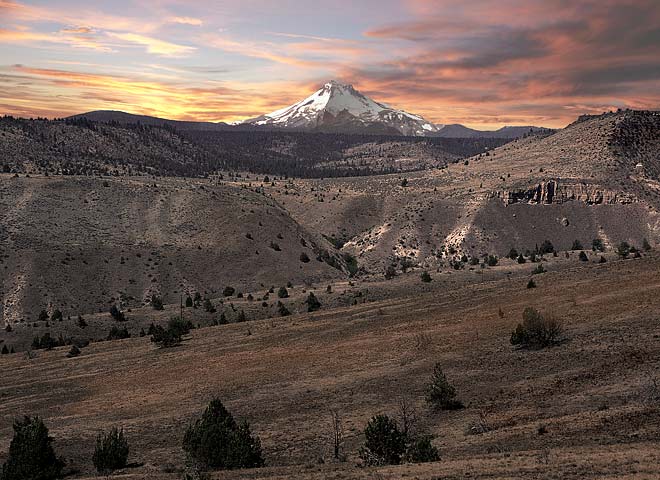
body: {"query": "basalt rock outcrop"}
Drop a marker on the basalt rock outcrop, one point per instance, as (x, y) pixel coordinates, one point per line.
(554, 192)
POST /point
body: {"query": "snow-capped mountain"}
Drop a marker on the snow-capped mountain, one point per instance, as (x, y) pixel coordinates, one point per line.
(338, 107)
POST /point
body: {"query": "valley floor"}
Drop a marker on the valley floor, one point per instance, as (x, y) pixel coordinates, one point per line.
(588, 408)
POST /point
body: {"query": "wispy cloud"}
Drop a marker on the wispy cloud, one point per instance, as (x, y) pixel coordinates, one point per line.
(154, 45)
(186, 21)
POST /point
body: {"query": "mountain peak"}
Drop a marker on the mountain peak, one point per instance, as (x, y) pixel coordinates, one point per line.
(340, 107)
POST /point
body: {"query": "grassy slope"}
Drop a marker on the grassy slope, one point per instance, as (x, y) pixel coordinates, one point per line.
(592, 393)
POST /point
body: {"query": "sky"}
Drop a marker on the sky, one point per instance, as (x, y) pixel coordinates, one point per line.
(482, 63)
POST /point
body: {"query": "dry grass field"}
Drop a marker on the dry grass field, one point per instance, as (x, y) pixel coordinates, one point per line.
(587, 408)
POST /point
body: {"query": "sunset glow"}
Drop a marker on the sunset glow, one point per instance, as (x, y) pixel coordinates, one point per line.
(482, 63)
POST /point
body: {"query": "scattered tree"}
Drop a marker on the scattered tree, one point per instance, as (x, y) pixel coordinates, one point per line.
(312, 302)
(31, 455)
(426, 277)
(597, 245)
(623, 250)
(440, 394)
(384, 443)
(216, 441)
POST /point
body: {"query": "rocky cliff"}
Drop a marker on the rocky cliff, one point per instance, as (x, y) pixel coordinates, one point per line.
(554, 192)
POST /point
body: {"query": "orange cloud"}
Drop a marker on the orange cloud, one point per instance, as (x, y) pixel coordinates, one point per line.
(56, 92)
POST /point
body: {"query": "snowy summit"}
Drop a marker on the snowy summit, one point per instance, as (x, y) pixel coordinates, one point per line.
(339, 107)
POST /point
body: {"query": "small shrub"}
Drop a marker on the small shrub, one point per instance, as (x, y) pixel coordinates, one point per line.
(216, 441)
(513, 254)
(111, 451)
(538, 270)
(492, 260)
(646, 245)
(521, 259)
(283, 293)
(228, 291)
(390, 272)
(351, 264)
(74, 352)
(208, 306)
(536, 331)
(283, 311)
(384, 443)
(583, 257)
(304, 257)
(56, 316)
(421, 450)
(312, 302)
(189, 301)
(623, 250)
(440, 394)
(156, 302)
(426, 277)
(546, 247)
(577, 245)
(531, 283)
(31, 455)
(117, 314)
(117, 333)
(597, 245)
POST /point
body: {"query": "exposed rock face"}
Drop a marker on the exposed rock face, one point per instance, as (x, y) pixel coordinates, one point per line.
(553, 192)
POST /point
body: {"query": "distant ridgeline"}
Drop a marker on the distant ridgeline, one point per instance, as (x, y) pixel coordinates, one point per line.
(79, 146)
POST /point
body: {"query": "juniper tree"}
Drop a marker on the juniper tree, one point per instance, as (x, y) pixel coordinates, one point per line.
(440, 394)
(31, 455)
(216, 441)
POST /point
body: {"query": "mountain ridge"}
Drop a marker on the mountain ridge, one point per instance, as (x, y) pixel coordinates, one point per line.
(336, 108)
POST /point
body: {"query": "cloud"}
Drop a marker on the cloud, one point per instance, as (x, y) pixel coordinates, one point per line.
(155, 46)
(186, 21)
(26, 90)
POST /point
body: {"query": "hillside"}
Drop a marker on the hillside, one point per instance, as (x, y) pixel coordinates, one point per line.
(581, 183)
(80, 146)
(174, 237)
(120, 241)
(586, 408)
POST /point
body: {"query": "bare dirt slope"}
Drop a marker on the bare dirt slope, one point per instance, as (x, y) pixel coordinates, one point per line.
(83, 244)
(596, 179)
(587, 408)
